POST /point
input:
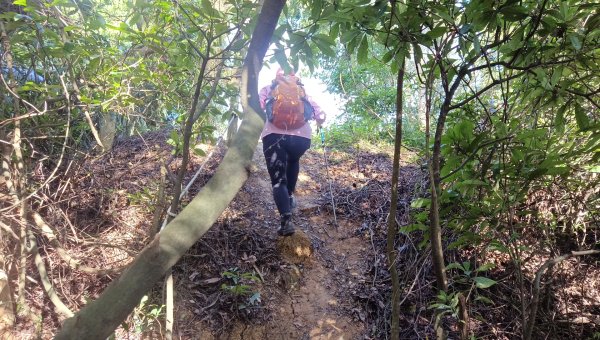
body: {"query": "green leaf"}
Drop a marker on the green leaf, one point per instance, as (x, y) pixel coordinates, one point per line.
(20, 3)
(164, 5)
(388, 56)
(436, 32)
(542, 77)
(325, 38)
(316, 7)
(484, 300)
(473, 182)
(442, 13)
(556, 76)
(351, 46)
(465, 28)
(309, 60)
(575, 42)
(418, 53)
(207, 6)
(394, 66)
(238, 44)
(279, 32)
(514, 13)
(455, 265)
(349, 35)
(413, 227)
(69, 47)
(363, 51)
(282, 59)
(558, 170)
(121, 28)
(485, 267)
(198, 151)
(466, 239)
(483, 282)
(517, 155)
(594, 169)
(497, 246)
(420, 203)
(324, 45)
(467, 267)
(583, 122)
(334, 32)
(97, 22)
(70, 28)
(476, 44)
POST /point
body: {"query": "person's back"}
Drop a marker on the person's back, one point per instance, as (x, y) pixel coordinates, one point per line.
(286, 137)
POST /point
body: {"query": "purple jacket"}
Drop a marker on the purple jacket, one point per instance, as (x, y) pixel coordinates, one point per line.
(304, 131)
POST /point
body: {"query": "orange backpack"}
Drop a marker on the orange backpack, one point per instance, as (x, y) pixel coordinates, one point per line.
(288, 108)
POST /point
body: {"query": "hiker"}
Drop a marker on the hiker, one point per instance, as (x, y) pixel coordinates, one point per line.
(286, 137)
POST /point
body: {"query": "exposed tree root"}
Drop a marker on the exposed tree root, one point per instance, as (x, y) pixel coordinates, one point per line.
(59, 306)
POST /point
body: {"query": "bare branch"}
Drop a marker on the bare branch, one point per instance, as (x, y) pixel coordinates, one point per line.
(64, 255)
(60, 307)
(473, 155)
(51, 177)
(483, 90)
(536, 286)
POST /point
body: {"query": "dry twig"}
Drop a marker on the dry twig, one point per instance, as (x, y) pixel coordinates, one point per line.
(536, 286)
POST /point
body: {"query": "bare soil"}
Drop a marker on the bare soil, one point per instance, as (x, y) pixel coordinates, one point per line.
(309, 279)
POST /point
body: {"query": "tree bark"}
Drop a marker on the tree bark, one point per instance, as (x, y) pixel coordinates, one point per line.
(187, 134)
(392, 226)
(14, 171)
(99, 318)
(435, 229)
(107, 129)
(463, 314)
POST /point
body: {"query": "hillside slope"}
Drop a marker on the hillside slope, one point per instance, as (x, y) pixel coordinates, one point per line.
(242, 281)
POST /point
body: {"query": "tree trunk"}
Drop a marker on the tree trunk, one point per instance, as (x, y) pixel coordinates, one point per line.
(14, 172)
(435, 229)
(392, 226)
(187, 135)
(99, 318)
(107, 129)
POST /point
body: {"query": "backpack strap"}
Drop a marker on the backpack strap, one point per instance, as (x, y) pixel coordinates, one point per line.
(309, 110)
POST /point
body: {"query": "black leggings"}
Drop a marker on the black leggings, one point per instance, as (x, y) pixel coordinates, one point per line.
(282, 154)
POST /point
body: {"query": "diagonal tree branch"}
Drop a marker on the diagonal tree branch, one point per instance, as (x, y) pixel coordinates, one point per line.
(483, 90)
(99, 318)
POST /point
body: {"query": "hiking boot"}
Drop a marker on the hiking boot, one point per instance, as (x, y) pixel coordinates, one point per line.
(292, 202)
(287, 227)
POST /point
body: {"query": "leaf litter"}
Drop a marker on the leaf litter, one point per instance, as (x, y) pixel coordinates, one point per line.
(239, 281)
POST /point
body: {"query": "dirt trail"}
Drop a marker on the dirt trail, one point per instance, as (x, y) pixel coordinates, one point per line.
(311, 307)
(308, 296)
(316, 284)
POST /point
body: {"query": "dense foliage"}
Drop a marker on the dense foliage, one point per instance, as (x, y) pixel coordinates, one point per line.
(508, 89)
